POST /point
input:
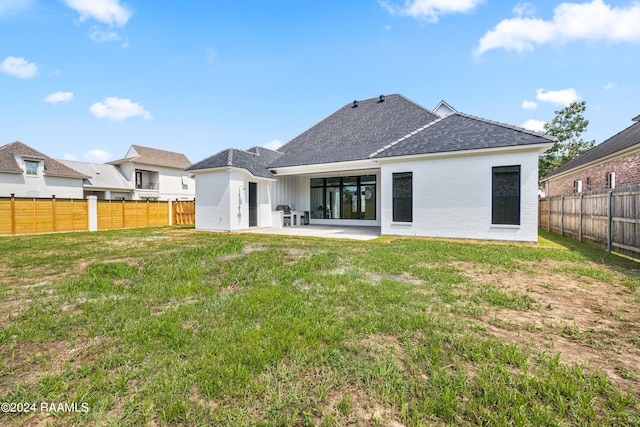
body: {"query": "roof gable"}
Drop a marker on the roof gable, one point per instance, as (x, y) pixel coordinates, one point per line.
(154, 157)
(354, 131)
(620, 141)
(51, 167)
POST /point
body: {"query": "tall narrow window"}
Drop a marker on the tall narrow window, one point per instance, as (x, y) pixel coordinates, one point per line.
(31, 167)
(577, 186)
(611, 180)
(403, 197)
(506, 195)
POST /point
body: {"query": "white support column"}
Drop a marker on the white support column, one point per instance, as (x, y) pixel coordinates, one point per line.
(92, 202)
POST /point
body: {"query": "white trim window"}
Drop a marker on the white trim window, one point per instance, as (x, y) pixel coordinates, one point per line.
(577, 186)
(31, 167)
(611, 180)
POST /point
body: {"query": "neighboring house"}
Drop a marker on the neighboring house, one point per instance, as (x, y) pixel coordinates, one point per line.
(610, 164)
(156, 174)
(385, 162)
(104, 180)
(26, 172)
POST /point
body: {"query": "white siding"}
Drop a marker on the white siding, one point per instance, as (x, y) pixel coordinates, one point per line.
(285, 191)
(213, 201)
(452, 197)
(222, 201)
(171, 184)
(40, 186)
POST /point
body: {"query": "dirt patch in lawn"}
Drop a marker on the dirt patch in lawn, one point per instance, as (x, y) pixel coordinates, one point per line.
(588, 321)
(30, 362)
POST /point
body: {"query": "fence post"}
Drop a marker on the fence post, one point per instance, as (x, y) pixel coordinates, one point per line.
(13, 213)
(92, 208)
(123, 215)
(562, 215)
(549, 214)
(580, 234)
(53, 213)
(610, 220)
(171, 211)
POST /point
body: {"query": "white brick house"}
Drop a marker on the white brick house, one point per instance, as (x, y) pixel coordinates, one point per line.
(385, 162)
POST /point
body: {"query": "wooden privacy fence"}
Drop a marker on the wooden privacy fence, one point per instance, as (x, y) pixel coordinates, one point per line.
(28, 216)
(608, 219)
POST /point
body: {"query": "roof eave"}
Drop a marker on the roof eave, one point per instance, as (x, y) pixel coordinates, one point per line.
(592, 163)
(538, 148)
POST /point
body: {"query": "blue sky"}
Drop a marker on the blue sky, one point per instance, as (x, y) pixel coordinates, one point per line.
(85, 79)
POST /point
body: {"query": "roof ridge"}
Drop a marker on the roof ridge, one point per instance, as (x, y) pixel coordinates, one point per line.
(402, 138)
(414, 103)
(230, 157)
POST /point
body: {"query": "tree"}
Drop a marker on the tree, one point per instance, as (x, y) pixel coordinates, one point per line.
(567, 125)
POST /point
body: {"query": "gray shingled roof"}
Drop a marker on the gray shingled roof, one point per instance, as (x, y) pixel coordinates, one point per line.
(352, 133)
(155, 157)
(101, 175)
(460, 132)
(380, 128)
(620, 141)
(51, 167)
(255, 160)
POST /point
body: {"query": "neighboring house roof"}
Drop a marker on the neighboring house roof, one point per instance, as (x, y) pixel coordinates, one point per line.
(51, 167)
(153, 157)
(620, 141)
(255, 160)
(353, 132)
(460, 132)
(101, 175)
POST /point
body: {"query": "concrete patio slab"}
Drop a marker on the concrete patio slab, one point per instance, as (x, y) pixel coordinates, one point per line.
(326, 231)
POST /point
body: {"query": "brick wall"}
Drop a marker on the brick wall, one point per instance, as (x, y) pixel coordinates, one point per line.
(627, 172)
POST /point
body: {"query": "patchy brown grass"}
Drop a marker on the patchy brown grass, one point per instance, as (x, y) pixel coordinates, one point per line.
(586, 321)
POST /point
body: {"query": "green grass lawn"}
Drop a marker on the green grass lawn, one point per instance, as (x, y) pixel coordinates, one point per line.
(169, 326)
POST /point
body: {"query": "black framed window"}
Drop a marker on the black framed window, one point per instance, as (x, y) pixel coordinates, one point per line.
(348, 197)
(506, 195)
(403, 197)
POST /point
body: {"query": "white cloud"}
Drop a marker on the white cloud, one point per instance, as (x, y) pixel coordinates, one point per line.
(19, 67)
(273, 145)
(570, 22)
(430, 9)
(99, 36)
(529, 105)
(68, 156)
(118, 109)
(610, 86)
(107, 11)
(56, 97)
(97, 155)
(8, 6)
(559, 97)
(524, 9)
(534, 125)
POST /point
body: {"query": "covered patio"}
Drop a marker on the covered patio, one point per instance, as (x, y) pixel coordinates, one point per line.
(325, 231)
